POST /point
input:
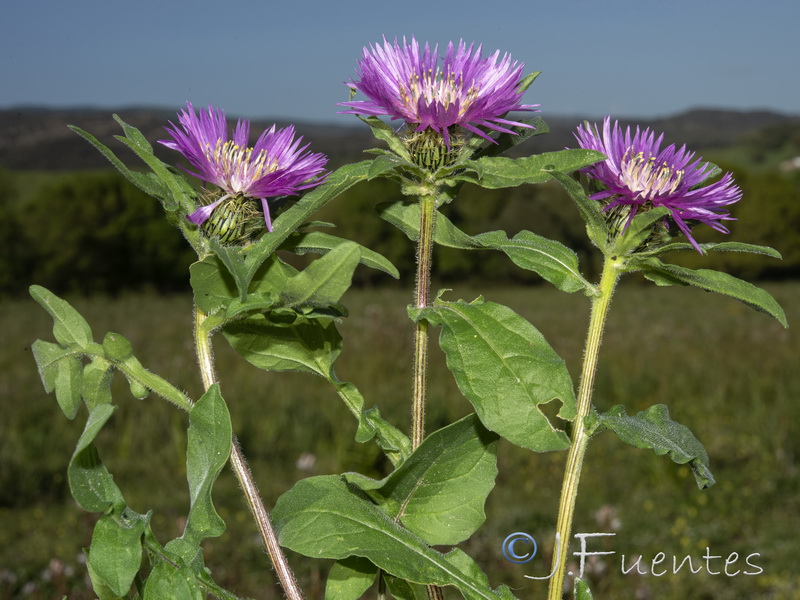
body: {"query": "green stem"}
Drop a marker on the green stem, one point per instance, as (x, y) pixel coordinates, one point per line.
(427, 221)
(134, 371)
(286, 577)
(580, 439)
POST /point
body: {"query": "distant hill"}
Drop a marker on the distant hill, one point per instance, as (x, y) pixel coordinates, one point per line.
(38, 138)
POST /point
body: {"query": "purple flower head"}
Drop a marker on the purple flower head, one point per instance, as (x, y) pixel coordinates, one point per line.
(274, 166)
(639, 174)
(466, 90)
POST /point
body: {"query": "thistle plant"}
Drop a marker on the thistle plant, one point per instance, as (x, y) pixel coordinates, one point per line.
(388, 533)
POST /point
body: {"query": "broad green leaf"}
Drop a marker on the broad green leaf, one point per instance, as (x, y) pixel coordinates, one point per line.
(312, 346)
(404, 590)
(47, 356)
(96, 382)
(187, 553)
(654, 429)
(349, 578)
(384, 164)
(165, 582)
(325, 280)
(582, 591)
(320, 242)
(234, 261)
(324, 517)
(69, 383)
(213, 285)
(69, 327)
(215, 288)
(506, 369)
(501, 172)
(61, 370)
(405, 216)
(91, 484)
(208, 449)
(665, 274)
(596, 227)
(551, 260)
(291, 219)
(440, 490)
(306, 346)
(116, 551)
(255, 303)
(185, 561)
(371, 424)
(101, 590)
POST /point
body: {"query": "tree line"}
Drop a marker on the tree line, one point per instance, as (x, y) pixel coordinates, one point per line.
(93, 232)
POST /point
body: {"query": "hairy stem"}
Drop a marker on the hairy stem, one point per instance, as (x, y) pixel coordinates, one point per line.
(286, 577)
(580, 439)
(427, 222)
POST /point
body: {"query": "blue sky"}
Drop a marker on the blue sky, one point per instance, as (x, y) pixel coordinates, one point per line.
(288, 60)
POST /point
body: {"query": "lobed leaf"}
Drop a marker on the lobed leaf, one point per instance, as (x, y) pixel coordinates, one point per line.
(506, 369)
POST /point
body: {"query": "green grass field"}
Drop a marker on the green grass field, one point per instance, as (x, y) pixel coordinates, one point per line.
(727, 372)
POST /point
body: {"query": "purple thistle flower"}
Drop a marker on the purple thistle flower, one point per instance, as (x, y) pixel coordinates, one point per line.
(638, 173)
(274, 166)
(466, 90)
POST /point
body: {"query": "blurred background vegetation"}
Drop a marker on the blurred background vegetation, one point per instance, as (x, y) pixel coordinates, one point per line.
(727, 372)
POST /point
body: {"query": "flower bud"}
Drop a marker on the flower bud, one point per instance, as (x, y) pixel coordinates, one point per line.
(233, 221)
